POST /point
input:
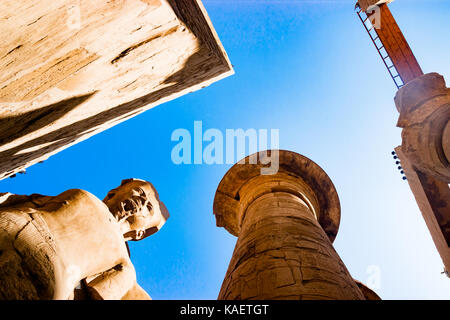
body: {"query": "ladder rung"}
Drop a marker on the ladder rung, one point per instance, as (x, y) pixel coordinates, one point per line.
(398, 83)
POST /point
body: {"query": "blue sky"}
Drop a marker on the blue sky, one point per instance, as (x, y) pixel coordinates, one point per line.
(309, 69)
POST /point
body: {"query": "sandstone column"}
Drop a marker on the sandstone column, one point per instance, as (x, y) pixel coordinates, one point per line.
(285, 225)
(424, 107)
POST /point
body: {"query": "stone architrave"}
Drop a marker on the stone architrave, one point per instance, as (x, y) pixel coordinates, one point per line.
(73, 68)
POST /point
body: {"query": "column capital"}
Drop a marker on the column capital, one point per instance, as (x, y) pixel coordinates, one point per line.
(297, 175)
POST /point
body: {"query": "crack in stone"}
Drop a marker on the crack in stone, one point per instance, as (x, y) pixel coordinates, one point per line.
(23, 228)
(125, 52)
(35, 21)
(11, 51)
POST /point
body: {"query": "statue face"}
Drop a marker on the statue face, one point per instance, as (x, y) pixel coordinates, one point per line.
(136, 205)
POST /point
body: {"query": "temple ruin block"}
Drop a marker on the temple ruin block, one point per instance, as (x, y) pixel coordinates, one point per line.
(285, 224)
(366, 5)
(73, 68)
(431, 196)
(424, 106)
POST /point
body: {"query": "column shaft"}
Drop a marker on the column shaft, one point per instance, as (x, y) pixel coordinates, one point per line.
(282, 252)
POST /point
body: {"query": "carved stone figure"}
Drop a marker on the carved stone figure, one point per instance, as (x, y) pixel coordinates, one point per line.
(72, 246)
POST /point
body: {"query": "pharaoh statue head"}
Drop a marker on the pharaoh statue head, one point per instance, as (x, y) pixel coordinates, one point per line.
(136, 206)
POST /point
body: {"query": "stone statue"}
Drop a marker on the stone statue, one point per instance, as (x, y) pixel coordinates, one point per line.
(72, 246)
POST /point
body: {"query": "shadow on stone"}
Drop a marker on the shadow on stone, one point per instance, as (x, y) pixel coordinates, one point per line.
(18, 156)
(15, 127)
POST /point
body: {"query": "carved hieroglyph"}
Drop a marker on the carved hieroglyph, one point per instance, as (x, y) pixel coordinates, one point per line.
(72, 246)
(285, 225)
(73, 68)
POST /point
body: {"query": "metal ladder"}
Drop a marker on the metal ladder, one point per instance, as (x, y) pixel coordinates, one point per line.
(365, 19)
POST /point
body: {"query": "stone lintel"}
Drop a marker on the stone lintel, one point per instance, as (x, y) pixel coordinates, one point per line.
(71, 69)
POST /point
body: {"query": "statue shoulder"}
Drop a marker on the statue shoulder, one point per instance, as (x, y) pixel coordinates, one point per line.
(79, 197)
(4, 196)
(8, 199)
(77, 193)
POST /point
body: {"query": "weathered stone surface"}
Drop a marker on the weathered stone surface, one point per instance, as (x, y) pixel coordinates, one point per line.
(433, 198)
(368, 293)
(282, 251)
(424, 106)
(73, 68)
(446, 141)
(72, 246)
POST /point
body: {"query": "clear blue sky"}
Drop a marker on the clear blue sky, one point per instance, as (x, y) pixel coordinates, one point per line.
(309, 69)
